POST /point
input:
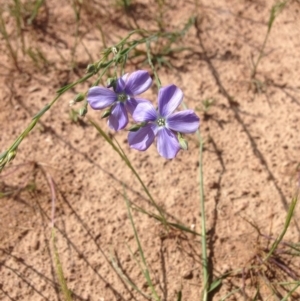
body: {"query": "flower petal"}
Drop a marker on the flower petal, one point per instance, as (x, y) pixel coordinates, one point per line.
(118, 118)
(138, 82)
(169, 98)
(132, 103)
(142, 138)
(121, 82)
(100, 97)
(167, 143)
(184, 122)
(144, 111)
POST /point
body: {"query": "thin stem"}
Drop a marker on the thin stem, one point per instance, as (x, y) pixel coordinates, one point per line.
(203, 223)
(59, 270)
(157, 80)
(37, 6)
(261, 53)
(77, 17)
(3, 31)
(124, 157)
(275, 10)
(121, 153)
(286, 226)
(146, 269)
(290, 292)
(13, 148)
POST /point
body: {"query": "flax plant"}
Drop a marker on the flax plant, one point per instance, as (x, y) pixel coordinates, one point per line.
(165, 124)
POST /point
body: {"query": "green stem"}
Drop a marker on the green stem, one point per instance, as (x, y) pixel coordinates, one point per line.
(35, 119)
(146, 269)
(275, 10)
(157, 80)
(260, 55)
(59, 270)
(3, 31)
(203, 223)
(286, 226)
(123, 156)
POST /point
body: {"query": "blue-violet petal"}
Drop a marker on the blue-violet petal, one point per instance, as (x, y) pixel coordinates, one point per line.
(169, 98)
(100, 97)
(167, 143)
(138, 82)
(142, 138)
(118, 118)
(132, 103)
(144, 111)
(121, 82)
(184, 122)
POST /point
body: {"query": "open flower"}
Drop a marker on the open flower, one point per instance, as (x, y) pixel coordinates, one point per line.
(163, 123)
(122, 99)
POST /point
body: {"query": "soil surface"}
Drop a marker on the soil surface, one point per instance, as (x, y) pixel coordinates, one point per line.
(250, 160)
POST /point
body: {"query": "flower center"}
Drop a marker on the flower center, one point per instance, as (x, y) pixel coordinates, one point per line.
(161, 121)
(122, 97)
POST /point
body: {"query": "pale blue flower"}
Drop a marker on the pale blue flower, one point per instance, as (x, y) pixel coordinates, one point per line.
(123, 99)
(163, 123)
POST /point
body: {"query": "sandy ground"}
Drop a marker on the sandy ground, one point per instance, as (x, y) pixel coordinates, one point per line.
(251, 153)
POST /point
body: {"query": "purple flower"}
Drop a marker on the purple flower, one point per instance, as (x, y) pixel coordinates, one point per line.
(122, 99)
(163, 123)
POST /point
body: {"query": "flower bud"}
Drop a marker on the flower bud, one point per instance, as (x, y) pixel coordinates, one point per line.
(82, 111)
(114, 50)
(111, 82)
(182, 142)
(79, 97)
(101, 65)
(11, 155)
(106, 113)
(90, 68)
(136, 127)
